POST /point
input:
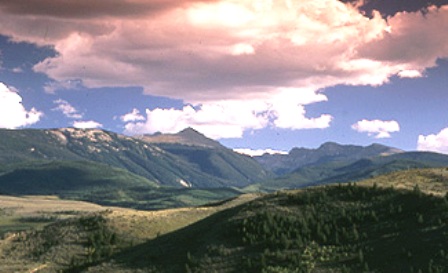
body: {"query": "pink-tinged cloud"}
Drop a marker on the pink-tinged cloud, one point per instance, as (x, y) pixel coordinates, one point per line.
(377, 128)
(206, 52)
(434, 142)
(12, 113)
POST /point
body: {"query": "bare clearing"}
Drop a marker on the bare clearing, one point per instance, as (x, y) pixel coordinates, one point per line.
(33, 205)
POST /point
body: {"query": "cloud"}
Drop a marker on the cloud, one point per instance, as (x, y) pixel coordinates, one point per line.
(215, 51)
(259, 152)
(12, 113)
(215, 120)
(434, 142)
(194, 50)
(377, 128)
(67, 109)
(231, 118)
(132, 116)
(90, 124)
(410, 74)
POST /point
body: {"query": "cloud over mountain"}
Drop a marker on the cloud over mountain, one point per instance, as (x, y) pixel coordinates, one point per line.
(377, 128)
(434, 142)
(12, 113)
(223, 53)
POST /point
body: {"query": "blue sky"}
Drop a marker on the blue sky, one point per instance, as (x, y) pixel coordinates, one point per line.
(253, 74)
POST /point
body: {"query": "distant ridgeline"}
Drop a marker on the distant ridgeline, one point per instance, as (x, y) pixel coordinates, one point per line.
(191, 161)
(105, 167)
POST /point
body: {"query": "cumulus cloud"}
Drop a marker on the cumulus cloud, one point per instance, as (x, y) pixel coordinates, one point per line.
(434, 142)
(230, 118)
(134, 115)
(377, 128)
(67, 109)
(258, 152)
(215, 120)
(209, 51)
(89, 124)
(12, 113)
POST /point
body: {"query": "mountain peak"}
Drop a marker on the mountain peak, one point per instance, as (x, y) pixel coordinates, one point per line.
(330, 146)
(190, 132)
(187, 136)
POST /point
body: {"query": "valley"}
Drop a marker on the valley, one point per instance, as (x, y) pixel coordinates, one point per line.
(75, 200)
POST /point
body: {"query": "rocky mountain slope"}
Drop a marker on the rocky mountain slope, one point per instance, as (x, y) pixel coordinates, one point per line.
(215, 167)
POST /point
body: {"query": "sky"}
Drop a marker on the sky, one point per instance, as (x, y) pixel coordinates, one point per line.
(252, 74)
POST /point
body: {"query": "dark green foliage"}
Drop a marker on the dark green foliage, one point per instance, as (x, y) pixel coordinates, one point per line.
(345, 228)
(351, 227)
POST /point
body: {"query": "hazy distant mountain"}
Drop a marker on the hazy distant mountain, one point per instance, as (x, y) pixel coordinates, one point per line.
(349, 171)
(328, 152)
(215, 167)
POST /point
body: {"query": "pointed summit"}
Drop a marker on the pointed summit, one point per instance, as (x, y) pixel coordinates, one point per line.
(188, 136)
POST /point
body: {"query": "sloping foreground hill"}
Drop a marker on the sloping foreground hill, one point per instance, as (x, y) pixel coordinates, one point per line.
(430, 181)
(134, 155)
(333, 229)
(340, 228)
(44, 234)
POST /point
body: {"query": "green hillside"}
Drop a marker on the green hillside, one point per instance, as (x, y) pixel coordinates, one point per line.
(66, 178)
(134, 155)
(340, 228)
(333, 229)
(101, 184)
(238, 169)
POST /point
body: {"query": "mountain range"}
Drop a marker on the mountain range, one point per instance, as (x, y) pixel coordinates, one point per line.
(152, 171)
(328, 152)
(394, 222)
(210, 166)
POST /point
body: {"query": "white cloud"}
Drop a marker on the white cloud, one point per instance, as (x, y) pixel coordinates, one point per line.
(215, 120)
(377, 128)
(258, 152)
(211, 53)
(90, 124)
(67, 109)
(434, 142)
(231, 118)
(12, 113)
(410, 74)
(132, 116)
(17, 70)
